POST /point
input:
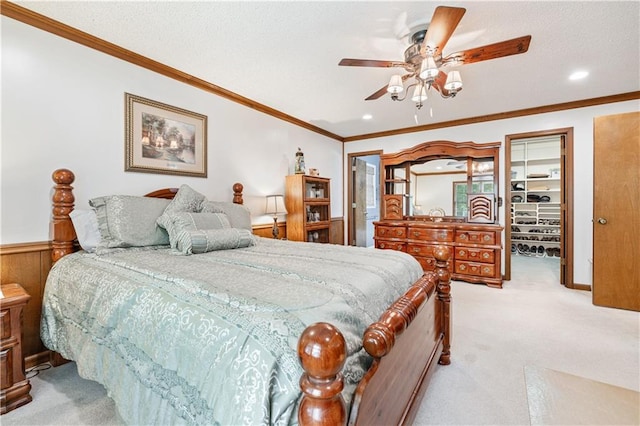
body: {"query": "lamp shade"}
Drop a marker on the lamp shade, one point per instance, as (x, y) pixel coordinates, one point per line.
(275, 205)
(395, 84)
(454, 81)
(419, 93)
(428, 69)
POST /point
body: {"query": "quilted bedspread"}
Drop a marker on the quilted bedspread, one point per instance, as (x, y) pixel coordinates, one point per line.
(212, 338)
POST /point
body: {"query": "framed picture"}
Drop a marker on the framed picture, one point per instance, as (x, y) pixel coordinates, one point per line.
(161, 138)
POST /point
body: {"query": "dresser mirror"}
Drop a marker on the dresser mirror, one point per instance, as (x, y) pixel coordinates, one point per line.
(442, 181)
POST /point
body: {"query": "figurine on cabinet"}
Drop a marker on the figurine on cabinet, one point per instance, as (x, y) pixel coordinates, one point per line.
(299, 168)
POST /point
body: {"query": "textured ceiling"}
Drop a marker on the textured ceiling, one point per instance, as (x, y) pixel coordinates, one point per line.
(285, 54)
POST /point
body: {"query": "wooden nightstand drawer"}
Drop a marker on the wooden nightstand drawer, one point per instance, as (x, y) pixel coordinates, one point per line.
(475, 255)
(426, 234)
(391, 231)
(475, 237)
(15, 386)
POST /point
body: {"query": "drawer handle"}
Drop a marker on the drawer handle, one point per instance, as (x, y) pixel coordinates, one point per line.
(485, 255)
(463, 236)
(486, 237)
(461, 253)
(416, 250)
(398, 232)
(487, 270)
(416, 233)
(463, 267)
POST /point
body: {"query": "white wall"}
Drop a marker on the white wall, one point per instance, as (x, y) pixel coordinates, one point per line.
(63, 106)
(581, 120)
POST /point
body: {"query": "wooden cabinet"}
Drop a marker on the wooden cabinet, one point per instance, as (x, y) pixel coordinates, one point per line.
(308, 202)
(476, 248)
(15, 387)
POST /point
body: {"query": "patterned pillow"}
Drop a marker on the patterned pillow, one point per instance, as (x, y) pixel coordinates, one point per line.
(202, 241)
(186, 200)
(186, 221)
(129, 221)
(239, 215)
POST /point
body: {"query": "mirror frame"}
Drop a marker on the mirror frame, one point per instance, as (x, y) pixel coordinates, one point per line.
(395, 206)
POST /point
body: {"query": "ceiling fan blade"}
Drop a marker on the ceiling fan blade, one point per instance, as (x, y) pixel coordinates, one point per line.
(383, 90)
(377, 94)
(443, 23)
(491, 51)
(371, 63)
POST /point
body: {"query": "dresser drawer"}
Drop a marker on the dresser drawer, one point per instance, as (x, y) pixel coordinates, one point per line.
(476, 269)
(475, 255)
(426, 234)
(475, 237)
(391, 245)
(391, 231)
(429, 263)
(420, 250)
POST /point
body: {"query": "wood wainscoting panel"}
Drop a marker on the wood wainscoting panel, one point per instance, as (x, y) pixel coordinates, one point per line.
(28, 264)
(337, 231)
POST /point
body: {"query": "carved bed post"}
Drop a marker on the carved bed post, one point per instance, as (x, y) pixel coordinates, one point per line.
(442, 254)
(61, 226)
(322, 351)
(237, 193)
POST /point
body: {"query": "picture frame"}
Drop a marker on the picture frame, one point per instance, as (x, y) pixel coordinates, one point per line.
(165, 139)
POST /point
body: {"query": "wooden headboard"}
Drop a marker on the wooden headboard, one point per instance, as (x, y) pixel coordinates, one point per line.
(64, 235)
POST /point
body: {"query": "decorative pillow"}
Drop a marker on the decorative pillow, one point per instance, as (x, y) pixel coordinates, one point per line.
(129, 221)
(186, 200)
(239, 215)
(86, 225)
(177, 222)
(202, 241)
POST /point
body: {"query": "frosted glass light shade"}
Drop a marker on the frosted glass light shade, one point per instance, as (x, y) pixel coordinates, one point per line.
(454, 81)
(395, 84)
(419, 93)
(428, 69)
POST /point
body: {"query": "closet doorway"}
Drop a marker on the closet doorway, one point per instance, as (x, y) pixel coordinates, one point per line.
(539, 198)
(363, 185)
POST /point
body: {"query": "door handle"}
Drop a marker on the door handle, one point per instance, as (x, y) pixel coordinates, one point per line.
(602, 221)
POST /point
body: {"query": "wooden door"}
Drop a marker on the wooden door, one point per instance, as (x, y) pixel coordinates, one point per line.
(360, 201)
(616, 211)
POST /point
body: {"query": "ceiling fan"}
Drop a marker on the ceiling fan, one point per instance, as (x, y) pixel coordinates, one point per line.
(424, 59)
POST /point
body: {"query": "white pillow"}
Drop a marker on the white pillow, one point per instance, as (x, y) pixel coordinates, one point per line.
(85, 223)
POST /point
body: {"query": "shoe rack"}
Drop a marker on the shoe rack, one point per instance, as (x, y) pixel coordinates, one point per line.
(535, 198)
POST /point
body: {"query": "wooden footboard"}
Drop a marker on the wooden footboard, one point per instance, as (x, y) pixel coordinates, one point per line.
(405, 343)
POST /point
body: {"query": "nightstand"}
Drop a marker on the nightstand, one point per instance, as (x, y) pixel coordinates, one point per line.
(14, 387)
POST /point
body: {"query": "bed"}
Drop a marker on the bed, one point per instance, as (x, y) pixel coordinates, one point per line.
(214, 325)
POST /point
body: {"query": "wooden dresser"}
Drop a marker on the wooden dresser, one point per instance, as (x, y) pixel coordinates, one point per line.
(476, 248)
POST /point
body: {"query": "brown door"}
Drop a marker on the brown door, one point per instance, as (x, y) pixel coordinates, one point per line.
(616, 211)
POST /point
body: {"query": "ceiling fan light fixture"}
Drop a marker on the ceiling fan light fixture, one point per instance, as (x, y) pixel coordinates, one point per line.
(395, 85)
(428, 69)
(454, 81)
(419, 93)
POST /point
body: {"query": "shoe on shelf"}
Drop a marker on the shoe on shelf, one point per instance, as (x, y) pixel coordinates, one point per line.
(540, 250)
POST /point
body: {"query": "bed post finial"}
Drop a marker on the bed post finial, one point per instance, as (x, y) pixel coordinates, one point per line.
(322, 352)
(442, 254)
(63, 233)
(237, 193)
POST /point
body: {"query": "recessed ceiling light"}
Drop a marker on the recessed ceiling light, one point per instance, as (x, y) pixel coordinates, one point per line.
(367, 117)
(578, 75)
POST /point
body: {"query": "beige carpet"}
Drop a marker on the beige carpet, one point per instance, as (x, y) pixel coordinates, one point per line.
(498, 335)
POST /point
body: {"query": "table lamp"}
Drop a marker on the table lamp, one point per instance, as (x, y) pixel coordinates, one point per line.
(275, 207)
